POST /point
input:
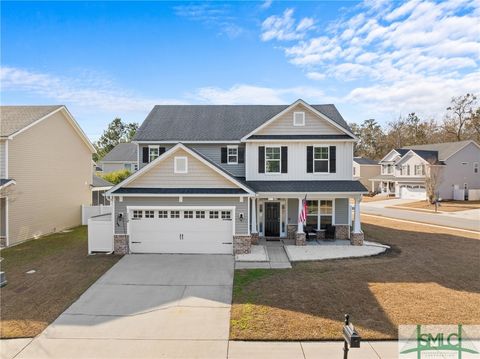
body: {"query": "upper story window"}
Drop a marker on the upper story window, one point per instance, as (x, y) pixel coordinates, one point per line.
(419, 170)
(232, 155)
(272, 159)
(475, 167)
(299, 118)
(405, 170)
(387, 169)
(320, 159)
(153, 153)
(181, 165)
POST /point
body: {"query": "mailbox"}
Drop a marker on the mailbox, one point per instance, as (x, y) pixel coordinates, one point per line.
(351, 336)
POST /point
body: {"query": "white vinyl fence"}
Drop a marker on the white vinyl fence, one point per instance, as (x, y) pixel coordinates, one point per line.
(90, 211)
(459, 194)
(474, 194)
(100, 234)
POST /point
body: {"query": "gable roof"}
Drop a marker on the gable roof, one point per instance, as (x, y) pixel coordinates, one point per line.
(445, 149)
(364, 161)
(215, 122)
(100, 182)
(123, 152)
(15, 118)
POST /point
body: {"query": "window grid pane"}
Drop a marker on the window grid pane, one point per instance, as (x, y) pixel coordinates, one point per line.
(187, 214)
(226, 215)
(149, 214)
(162, 214)
(213, 214)
(200, 214)
(174, 214)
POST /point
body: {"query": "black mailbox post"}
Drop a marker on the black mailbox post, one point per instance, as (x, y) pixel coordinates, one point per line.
(351, 337)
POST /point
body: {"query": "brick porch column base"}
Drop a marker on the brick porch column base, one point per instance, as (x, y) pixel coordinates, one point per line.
(120, 243)
(300, 239)
(356, 239)
(342, 231)
(291, 231)
(255, 239)
(242, 244)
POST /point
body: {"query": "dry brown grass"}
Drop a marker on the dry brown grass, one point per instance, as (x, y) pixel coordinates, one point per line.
(430, 276)
(447, 206)
(64, 271)
(376, 198)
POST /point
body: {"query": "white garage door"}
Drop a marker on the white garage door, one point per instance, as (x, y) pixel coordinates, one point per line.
(181, 231)
(413, 192)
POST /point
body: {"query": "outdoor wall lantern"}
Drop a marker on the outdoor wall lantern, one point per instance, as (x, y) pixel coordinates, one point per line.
(240, 216)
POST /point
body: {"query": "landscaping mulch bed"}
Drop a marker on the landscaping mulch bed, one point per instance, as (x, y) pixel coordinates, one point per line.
(63, 271)
(430, 275)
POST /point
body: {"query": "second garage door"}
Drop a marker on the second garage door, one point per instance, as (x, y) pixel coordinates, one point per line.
(181, 230)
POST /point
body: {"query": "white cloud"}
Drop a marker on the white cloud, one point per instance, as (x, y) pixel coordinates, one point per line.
(266, 4)
(284, 27)
(315, 76)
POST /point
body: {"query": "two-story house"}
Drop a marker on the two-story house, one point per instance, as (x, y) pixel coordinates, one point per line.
(122, 157)
(45, 171)
(215, 177)
(364, 169)
(405, 170)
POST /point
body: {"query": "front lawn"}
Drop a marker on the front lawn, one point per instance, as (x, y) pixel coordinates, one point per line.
(63, 271)
(446, 206)
(429, 276)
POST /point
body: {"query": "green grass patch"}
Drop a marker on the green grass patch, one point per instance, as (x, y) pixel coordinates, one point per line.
(244, 277)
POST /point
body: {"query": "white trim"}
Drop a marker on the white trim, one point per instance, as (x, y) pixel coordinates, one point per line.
(301, 140)
(299, 101)
(461, 148)
(175, 164)
(182, 195)
(131, 162)
(153, 147)
(382, 160)
(9, 183)
(167, 154)
(404, 157)
(279, 160)
(177, 142)
(228, 155)
(6, 159)
(302, 123)
(328, 160)
(101, 188)
(72, 121)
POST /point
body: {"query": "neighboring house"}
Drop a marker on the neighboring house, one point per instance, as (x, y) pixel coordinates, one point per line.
(404, 171)
(365, 169)
(212, 175)
(45, 171)
(99, 187)
(122, 157)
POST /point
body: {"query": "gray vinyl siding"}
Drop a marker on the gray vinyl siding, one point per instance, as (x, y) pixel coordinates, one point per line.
(241, 227)
(211, 151)
(341, 210)
(292, 211)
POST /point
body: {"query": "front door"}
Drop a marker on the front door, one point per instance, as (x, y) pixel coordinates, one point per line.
(272, 219)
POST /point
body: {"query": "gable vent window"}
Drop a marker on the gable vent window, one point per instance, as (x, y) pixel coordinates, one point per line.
(181, 165)
(299, 118)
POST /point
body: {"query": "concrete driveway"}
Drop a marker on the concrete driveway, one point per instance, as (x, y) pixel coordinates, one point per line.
(147, 306)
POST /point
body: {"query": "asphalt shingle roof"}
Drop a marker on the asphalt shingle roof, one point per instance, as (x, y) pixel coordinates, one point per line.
(300, 137)
(100, 182)
(122, 152)
(364, 161)
(307, 186)
(180, 191)
(214, 122)
(14, 118)
(444, 150)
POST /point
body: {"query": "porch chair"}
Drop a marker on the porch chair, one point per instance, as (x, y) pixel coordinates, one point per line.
(329, 232)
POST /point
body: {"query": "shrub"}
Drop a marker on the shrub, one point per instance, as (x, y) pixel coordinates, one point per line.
(116, 177)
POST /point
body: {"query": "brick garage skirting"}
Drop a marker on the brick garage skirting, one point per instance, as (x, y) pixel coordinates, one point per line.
(342, 231)
(242, 244)
(120, 243)
(356, 239)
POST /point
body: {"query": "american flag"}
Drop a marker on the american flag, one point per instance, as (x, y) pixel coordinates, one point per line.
(303, 213)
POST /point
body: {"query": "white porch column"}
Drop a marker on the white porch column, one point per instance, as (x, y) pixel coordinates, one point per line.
(254, 215)
(373, 186)
(356, 224)
(300, 224)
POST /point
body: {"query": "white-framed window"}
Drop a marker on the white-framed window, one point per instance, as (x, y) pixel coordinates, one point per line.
(181, 165)
(299, 118)
(405, 170)
(199, 214)
(475, 167)
(149, 214)
(213, 214)
(419, 170)
(319, 214)
(174, 214)
(226, 215)
(137, 214)
(321, 161)
(232, 155)
(162, 214)
(153, 152)
(187, 214)
(326, 213)
(273, 157)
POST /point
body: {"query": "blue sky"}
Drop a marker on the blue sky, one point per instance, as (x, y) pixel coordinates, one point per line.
(373, 59)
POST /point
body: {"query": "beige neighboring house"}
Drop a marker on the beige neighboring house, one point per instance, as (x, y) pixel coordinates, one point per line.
(364, 169)
(45, 171)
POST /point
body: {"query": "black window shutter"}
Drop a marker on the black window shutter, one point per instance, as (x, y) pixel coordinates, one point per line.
(224, 155)
(261, 159)
(161, 151)
(145, 155)
(284, 159)
(241, 155)
(333, 159)
(309, 159)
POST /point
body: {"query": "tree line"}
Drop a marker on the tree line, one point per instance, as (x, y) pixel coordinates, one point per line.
(461, 121)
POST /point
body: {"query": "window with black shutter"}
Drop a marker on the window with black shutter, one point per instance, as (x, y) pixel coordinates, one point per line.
(241, 155)
(333, 159)
(224, 155)
(284, 159)
(309, 159)
(145, 155)
(261, 159)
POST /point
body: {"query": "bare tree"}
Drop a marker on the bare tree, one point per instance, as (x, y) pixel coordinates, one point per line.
(433, 179)
(459, 113)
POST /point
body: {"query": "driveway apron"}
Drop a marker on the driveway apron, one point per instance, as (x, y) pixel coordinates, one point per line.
(147, 306)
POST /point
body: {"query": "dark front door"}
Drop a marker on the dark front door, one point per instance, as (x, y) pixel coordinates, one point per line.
(272, 219)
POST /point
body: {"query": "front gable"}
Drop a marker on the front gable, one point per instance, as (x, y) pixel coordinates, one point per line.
(313, 124)
(162, 174)
(391, 156)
